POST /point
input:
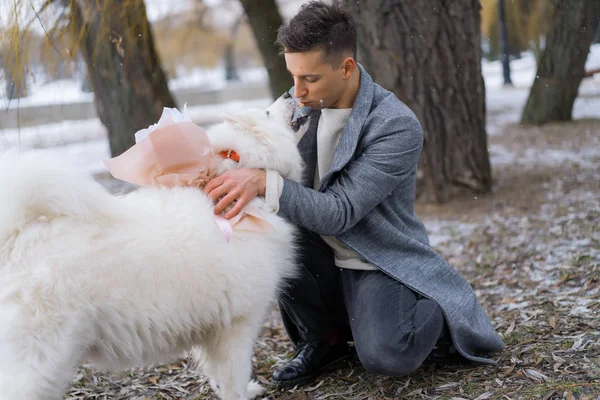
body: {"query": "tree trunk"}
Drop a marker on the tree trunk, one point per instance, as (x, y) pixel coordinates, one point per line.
(428, 54)
(264, 19)
(562, 63)
(123, 66)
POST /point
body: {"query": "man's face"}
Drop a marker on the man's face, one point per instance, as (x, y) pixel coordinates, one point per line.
(317, 83)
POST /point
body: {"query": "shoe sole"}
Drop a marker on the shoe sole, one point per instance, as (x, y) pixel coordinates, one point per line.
(305, 380)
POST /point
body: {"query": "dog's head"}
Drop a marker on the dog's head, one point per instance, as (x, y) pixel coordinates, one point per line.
(259, 138)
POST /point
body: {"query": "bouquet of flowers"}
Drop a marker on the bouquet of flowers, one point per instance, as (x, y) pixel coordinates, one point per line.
(177, 152)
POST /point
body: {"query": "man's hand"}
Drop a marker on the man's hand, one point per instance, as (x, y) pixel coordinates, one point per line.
(239, 185)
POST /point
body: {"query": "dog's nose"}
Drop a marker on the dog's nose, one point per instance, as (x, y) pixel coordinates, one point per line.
(287, 95)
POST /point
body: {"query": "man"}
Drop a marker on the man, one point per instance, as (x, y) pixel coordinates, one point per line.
(368, 273)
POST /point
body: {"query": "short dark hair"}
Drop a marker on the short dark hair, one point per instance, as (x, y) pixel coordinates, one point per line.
(319, 26)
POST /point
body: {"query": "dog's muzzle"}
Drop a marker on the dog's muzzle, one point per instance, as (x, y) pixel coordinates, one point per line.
(299, 115)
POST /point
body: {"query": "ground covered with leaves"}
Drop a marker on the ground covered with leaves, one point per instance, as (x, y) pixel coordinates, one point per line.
(531, 250)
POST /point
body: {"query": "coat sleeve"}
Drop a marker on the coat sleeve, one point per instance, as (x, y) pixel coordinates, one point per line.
(387, 162)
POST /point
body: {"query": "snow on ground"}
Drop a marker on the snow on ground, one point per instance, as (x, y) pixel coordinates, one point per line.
(68, 91)
(584, 157)
(63, 91)
(511, 100)
(214, 79)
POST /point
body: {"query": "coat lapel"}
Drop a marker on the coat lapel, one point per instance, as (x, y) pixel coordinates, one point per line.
(351, 132)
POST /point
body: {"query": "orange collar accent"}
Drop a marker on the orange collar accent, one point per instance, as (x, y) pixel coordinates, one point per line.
(231, 154)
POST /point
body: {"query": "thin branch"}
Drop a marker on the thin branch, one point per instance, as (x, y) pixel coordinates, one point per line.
(42, 24)
(46, 4)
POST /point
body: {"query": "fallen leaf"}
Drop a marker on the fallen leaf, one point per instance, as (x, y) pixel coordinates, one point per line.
(510, 328)
(549, 395)
(536, 375)
(577, 344)
(263, 380)
(510, 369)
(570, 395)
(448, 386)
(313, 388)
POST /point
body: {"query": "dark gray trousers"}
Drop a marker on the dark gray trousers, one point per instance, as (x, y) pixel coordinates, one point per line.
(393, 328)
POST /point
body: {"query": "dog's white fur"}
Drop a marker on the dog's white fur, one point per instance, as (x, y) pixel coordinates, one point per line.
(123, 281)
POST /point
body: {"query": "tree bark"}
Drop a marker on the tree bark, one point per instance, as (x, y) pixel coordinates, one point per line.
(428, 54)
(264, 19)
(123, 66)
(562, 63)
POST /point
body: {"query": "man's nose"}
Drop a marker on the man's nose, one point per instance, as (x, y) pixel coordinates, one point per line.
(299, 90)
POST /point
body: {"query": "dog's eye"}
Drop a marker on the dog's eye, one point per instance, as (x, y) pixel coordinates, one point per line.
(267, 113)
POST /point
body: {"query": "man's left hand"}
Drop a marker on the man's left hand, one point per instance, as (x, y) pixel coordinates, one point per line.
(240, 185)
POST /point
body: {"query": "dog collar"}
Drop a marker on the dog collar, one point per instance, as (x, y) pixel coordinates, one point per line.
(231, 154)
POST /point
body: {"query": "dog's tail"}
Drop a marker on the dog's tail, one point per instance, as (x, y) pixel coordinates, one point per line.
(34, 185)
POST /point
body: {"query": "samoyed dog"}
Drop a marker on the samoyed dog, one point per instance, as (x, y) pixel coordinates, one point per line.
(137, 279)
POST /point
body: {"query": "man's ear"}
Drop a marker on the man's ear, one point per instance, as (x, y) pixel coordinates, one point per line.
(348, 65)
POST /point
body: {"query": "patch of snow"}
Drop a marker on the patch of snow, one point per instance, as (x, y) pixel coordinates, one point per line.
(68, 91)
(64, 91)
(500, 155)
(581, 311)
(443, 231)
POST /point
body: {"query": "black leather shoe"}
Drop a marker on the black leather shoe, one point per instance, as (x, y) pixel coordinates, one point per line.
(444, 351)
(310, 361)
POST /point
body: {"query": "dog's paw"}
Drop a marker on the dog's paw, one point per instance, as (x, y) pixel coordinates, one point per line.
(254, 389)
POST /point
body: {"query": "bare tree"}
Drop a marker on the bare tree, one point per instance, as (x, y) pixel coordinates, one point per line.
(124, 69)
(428, 53)
(562, 63)
(265, 20)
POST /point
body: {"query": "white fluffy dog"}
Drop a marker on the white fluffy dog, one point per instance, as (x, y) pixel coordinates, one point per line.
(123, 281)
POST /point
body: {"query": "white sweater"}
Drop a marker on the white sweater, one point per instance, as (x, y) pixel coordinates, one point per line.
(329, 130)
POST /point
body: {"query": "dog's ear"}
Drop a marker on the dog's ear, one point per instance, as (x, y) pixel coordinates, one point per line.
(245, 121)
(240, 119)
(229, 118)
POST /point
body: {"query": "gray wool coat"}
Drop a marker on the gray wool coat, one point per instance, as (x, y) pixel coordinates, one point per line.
(366, 200)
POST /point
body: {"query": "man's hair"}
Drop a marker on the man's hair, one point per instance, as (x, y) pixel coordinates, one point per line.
(319, 26)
